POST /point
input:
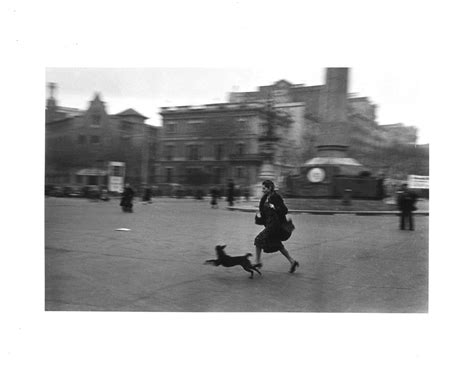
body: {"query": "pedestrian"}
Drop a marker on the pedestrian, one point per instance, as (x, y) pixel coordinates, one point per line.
(272, 214)
(104, 194)
(146, 195)
(230, 192)
(127, 198)
(406, 204)
(214, 196)
(247, 194)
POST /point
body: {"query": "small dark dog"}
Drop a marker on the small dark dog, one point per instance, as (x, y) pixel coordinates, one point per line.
(227, 261)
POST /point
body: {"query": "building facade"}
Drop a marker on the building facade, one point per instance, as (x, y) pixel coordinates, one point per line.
(208, 145)
(223, 141)
(204, 146)
(81, 143)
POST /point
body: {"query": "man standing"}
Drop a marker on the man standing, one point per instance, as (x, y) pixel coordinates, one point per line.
(230, 192)
(146, 194)
(127, 198)
(406, 204)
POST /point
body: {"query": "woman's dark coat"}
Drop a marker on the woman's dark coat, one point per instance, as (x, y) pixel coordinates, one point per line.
(269, 239)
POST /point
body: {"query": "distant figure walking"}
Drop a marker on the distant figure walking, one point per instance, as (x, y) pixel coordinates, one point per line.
(247, 194)
(104, 194)
(272, 214)
(214, 196)
(230, 192)
(127, 199)
(406, 204)
(146, 195)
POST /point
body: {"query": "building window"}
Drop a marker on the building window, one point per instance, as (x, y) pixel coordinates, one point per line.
(95, 120)
(193, 152)
(217, 175)
(117, 171)
(93, 180)
(191, 124)
(240, 149)
(219, 152)
(239, 172)
(169, 152)
(95, 139)
(169, 175)
(81, 139)
(242, 122)
(126, 127)
(170, 128)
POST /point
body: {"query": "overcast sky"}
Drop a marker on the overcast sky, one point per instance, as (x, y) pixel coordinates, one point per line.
(147, 89)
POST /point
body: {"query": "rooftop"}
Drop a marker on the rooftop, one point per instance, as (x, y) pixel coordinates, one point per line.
(131, 112)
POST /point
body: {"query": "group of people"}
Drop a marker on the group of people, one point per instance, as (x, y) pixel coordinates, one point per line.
(272, 213)
(215, 194)
(128, 194)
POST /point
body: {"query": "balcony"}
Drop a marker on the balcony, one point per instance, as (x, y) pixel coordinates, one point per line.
(249, 157)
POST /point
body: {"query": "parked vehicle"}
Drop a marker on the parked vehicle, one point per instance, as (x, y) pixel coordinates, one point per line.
(168, 189)
(72, 192)
(56, 191)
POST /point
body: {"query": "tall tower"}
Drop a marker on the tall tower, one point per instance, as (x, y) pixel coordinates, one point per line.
(335, 95)
(51, 103)
(333, 111)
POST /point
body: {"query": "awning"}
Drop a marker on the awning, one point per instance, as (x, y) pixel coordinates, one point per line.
(93, 172)
(332, 161)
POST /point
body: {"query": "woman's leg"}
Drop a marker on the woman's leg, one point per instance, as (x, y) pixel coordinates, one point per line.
(287, 255)
(258, 253)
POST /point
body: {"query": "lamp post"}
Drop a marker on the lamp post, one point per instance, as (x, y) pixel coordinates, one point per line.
(269, 139)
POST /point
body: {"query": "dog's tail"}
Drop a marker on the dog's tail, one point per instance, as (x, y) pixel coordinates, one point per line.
(248, 255)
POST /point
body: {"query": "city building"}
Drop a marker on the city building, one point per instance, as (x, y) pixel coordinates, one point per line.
(208, 145)
(353, 118)
(81, 143)
(224, 141)
(211, 144)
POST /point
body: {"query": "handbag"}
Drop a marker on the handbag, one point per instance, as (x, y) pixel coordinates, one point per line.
(286, 229)
(259, 220)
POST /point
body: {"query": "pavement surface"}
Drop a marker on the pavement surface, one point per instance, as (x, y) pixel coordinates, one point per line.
(347, 263)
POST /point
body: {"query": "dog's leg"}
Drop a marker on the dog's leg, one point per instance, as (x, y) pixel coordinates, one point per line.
(256, 269)
(248, 270)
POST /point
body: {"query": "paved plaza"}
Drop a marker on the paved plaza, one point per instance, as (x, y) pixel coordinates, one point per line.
(348, 263)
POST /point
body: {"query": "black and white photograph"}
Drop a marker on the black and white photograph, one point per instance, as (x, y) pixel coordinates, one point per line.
(152, 175)
(236, 187)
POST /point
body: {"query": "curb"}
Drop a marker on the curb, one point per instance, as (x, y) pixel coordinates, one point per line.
(331, 212)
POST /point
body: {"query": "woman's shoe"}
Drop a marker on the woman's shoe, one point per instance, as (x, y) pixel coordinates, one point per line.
(258, 265)
(293, 266)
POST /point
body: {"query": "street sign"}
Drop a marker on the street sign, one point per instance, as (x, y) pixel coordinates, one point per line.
(116, 176)
(418, 182)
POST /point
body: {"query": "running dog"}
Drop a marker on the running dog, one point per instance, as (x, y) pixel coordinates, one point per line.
(227, 261)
